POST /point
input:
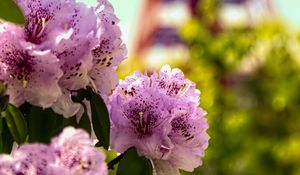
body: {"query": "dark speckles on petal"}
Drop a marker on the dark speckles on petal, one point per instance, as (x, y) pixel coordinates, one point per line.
(20, 173)
(19, 63)
(182, 126)
(103, 52)
(158, 119)
(143, 114)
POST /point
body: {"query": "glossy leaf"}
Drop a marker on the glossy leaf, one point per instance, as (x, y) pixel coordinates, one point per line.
(100, 117)
(133, 164)
(10, 11)
(16, 123)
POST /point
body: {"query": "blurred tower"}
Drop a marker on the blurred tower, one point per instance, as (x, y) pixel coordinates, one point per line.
(158, 26)
(157, 35)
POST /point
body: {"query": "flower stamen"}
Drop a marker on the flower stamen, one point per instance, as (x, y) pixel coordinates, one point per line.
(24, 82)
(43, 22)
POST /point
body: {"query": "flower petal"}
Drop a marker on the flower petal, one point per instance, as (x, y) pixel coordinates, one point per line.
(65, 106)
(25, 70)
(76, 152)
(105, 80)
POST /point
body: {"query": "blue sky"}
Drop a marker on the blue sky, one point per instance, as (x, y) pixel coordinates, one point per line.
(289, 10)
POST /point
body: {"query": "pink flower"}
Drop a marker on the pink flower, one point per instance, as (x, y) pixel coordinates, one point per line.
(64, 46)
(25, 70)
(70, 153)
(159, 115)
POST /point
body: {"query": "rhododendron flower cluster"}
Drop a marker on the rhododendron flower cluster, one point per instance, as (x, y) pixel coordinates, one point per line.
(64, 46)
(70, 153)
(159, 115)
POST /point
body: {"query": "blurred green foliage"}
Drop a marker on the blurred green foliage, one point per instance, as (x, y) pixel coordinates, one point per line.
(250, 82)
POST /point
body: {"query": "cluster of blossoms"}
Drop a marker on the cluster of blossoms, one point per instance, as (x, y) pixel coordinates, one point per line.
(64, 156)
(159, 115)
(64, 46)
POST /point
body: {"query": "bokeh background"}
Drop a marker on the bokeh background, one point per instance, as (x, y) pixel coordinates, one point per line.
(244, 56)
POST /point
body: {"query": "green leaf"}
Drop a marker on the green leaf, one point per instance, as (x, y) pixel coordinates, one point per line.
(41, 124)
(16, 123)
(100, 117)
(62, 122)
(111, 155)
(84, 122)
(1, 124)
(10, 11)
(3, 102)
(133, 164)
(6, 140)
(45, 123)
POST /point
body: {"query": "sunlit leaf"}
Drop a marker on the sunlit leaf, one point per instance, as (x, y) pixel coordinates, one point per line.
(9, 11)
(16, 123)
